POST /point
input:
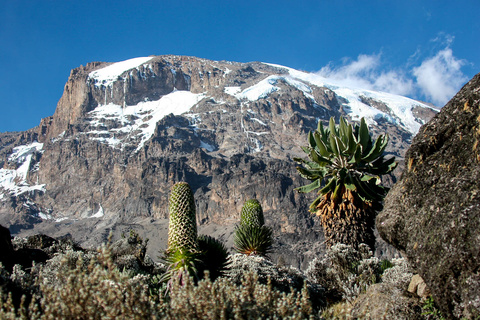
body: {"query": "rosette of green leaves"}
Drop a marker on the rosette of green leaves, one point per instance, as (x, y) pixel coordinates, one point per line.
(343, 157)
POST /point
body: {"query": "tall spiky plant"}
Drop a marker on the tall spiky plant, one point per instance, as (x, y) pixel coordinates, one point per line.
(182, 252)
(345, 164)
(252, 237)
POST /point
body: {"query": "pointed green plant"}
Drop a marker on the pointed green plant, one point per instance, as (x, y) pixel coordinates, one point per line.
(214, 256)
(182, 227)
(253, 240)
(187, 254)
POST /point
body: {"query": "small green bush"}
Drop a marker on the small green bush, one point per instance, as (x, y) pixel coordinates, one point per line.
(214, 256)
(252, 236)
(98, 291)
(430, 310)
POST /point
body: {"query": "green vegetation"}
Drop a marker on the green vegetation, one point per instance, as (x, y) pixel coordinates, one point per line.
(252, 237)
(345, 164)
(430, 310)
(189, 254)
(252, 214)
(89, 285)
(213, 255)
(83, 284)
(345, 271)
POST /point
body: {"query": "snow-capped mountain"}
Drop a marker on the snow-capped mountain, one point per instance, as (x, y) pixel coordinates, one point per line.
(124, 132)
(118, 123)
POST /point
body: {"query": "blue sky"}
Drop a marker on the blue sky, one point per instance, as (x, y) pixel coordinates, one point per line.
(422, 49)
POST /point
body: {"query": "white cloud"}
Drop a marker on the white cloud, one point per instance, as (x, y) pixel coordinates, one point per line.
(435, 79)
(352, 73)
(440, 76)
(394, 82)
(364, 73)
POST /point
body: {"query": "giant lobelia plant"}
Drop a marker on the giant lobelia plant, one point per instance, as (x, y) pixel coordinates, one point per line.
(345, 164)
(182, 252)
(252, 237)
(187, 253)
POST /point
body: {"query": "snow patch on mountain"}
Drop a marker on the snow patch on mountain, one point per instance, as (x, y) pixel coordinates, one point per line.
(44, 216)
(20, 153)
(260, 90)
(232, 90)
(117, 126)
(259, 121)
(14, 181)
(401, 107)
(267, 86)
(100, 213)
(207, 146)
(108, 75)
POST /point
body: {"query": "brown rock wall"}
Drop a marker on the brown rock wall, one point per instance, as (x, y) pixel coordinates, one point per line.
(433, 213)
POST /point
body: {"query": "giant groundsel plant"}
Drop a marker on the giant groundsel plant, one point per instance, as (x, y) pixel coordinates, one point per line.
(345, 165)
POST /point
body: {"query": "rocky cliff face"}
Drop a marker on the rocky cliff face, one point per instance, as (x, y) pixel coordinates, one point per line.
(433, 213)
(123, 133)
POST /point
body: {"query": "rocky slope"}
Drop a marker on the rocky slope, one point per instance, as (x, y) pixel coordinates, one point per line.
(433, 213)
(123, 133)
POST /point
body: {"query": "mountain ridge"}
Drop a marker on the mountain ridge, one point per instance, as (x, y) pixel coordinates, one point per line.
(124, 132)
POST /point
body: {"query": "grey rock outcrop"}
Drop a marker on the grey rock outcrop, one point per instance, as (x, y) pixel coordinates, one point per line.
(433, 213)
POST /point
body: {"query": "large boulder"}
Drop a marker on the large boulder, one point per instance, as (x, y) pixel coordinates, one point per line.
(6, 248)
(432, 214)
(9, 256)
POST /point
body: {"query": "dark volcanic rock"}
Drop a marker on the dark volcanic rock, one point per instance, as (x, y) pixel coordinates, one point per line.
(23, 256)
(6, 248)
(40, 241)
(5, 241)
(433, 213)
(26, 257)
